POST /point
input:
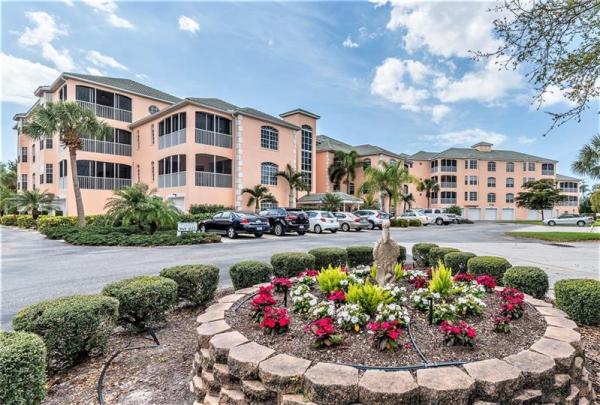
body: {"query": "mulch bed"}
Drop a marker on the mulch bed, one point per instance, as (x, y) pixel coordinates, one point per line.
(590, 337)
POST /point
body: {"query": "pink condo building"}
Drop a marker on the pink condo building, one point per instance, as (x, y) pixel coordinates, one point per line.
(192, 150)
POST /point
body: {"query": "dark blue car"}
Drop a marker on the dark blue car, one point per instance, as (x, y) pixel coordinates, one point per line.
(232, 223)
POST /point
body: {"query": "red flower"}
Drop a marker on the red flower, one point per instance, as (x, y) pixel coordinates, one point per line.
(265, 289)
(386, 334)
(460, 333)
(337, 296)
(276, 320)
(463, 277)
(281, 283)
(489, 282)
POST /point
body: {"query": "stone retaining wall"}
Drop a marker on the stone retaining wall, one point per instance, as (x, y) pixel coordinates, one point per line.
(229, 369)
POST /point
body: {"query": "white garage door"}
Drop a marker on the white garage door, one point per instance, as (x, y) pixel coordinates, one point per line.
(508, 214)
(547, 214)
(474, 214)
(179, 202)
(491, 214)
(533, 215)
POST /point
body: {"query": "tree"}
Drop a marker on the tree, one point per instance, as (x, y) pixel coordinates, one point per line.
(331, 202)
(539, 195)
(595, 201)
(8, 175)
(343, 168)
(369, 202)
(407, 199)
(295, 181)
(258, 194)
(585, 206)
(454, 209)
(72, 123)
(428, 186)
(6, 206)
(588, 160)
(138, 205)
(379, 179)
(33, 201)
(558, 42)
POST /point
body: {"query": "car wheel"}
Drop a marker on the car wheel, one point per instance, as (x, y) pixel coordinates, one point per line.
(551, 223)
(371, 225)
(279, 231)
(345, 227)
(317, 229)
(203, 228)
(231, 233)
(333, 230)
(439, 221)
(301, 233)
(258, 235)
(580, 223)
(455, 221)
(358, 229)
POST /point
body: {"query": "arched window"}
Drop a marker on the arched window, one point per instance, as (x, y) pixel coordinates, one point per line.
(491, 182)
(306, 154)
(269, 138)
(491, 197)
(268, 173)
(367, 162)
(510, 198)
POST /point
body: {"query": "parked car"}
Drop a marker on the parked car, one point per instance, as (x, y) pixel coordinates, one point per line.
(569, 219)
(374, 217)
(348, 221)
(285, 220)
(437, 216)
(232, 223)
(322, 221)
(425, 220)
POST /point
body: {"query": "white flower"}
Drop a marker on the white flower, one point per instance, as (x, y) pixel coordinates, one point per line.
(354, 319)
(391, 318)
(313, 302)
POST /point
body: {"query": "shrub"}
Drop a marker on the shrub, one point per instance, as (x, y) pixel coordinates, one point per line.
(368, 296)
(330, 279)
(46, 222)
(399, 222)
(207, 208)
(454, 209)
(143, 300)
(196, 283)
(402, 255)
(437, 254)
(580, 299)
(457, 261)
(420, 253)
(290, 264)
(71, 327)
(441, 281)
(22, 368)
(9, 220)
(25, 221)
(359, 255)
(250, 272)
(98, 220)
(414, 222)
(329, 256)
(488, 265)
(530, 280)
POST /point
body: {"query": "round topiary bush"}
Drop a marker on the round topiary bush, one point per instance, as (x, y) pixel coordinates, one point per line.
(437, 254)
(580, 299)
(326, 256)
(250, 272)
(420, 253)
(290, 264)
(402, 255)
(359, 255)
(144, 300)
(457, 261)
(530, 280)
(22, 368)
(71, 327)
(488, 265)
(196, 283)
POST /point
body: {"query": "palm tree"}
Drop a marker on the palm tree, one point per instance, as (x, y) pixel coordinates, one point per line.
(258, 194)
(8, 175)
(6, 196)
(369, 202)
(406, 199)
(32, 201)
(72, 123)
(379, 179)
(588, 160)
(295, 181)
(343, 168)
(429, 186)
(400, 177)
(331, 202)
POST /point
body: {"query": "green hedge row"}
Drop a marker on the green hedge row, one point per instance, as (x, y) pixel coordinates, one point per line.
(326, 256)
(580, 299)
(404, 223)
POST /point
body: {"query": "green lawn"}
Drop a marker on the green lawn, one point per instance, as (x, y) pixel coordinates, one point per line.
(524, 222)
(557, 236)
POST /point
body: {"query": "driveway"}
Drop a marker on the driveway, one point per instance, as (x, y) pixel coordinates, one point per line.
(35, 269)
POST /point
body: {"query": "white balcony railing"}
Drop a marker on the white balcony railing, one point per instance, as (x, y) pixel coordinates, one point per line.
(62, 183)
(210, 179)
(213, 138)
(568, 203)
(111, 148)
(447, 200)
(448, 168)
(448, 184)
(547, 172)
(434, 169)
(171, 139)
(569, 190)
(171, 180)
(102, 183)
(106, 111)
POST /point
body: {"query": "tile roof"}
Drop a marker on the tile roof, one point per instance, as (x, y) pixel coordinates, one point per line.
(326, 143)
(469, 153)
(562, 177)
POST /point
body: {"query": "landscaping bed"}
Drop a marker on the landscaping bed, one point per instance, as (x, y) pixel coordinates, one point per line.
(558, 236)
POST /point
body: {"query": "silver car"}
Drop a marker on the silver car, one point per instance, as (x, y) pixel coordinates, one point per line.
(348, 220)
(569, 219)
(374, 217)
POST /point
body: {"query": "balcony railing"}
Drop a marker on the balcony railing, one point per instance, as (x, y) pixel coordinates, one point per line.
(547, 172)
(448, 168)
(434, 169)
(568, 203)
(106, 111)
(210, 179)
(62, 183)
(171, 180)
(102, 183)
(112, 148)
(213, 138)
(447, 200)
(171, 139)
(448, 184)
(569, 190)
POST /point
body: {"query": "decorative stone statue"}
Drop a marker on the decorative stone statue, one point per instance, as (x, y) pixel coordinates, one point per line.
(386, 254)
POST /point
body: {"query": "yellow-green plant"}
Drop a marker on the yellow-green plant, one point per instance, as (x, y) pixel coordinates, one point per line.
(373, 272)
(441, 280)
(368, 296)
(330, 279)
(399, 271)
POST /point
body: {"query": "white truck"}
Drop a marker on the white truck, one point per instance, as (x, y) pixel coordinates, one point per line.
(437, 216)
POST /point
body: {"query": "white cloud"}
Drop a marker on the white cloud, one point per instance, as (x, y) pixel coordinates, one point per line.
(525, 140)
(552, 96)
(68, 2)
(119, 22)
(188, 24)
(348, 43)
(94, 71)
(392, 82)
(466, 137)
(438, 112)
(141, 76)
(109, 8)
(101, 60)
(20, 78)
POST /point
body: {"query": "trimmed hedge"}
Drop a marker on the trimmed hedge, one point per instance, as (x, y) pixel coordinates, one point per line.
(250, 272)
(291, 263)
(580, 299)
(420, 253)
(207, 208)
(71, 327)
(488, 265)
(402, 255)
(530, 280)
(457, 261)
(46, 222)
(25, 221)
(22, 368)
(399, 223)
(414, 222)
(8, 220)
(143, 300)
(437, 254)
(359, 255)
(326, 256)
(196, 283)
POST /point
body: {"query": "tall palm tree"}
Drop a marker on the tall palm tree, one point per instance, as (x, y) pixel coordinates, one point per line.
(295, 181)
(33, 201)
(331, 202)
(380, 179)
(72, 123)
(428, 186)
(258, 194)
(588, 160)
(343, 169)
(400, 177)
(406, 199)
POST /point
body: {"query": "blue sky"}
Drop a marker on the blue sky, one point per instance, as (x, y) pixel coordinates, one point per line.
(396, 75)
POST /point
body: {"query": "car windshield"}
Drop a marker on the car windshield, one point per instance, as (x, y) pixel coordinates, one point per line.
(327, 214)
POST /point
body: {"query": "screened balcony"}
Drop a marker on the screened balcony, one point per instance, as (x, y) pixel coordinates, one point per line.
(104, 104)
(213, 171)
(212, 129)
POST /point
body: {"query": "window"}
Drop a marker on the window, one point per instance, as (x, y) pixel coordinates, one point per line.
(62, 168)
(529, 166)
(491, 166)
(33, 181)
(268, 173)
(138, 138)
(92, 168)
(367, 163)
(491, 182)
(510, 182)
(42, 178)
(42, 144)
(84, 93)
(172, 164)
(24, 156)
(23, 182)
(138, 173)
(152, 133)
(152, 169)
(62, 93)
(306, 155)
(392, 161)
(510, 198)
(471, 164)
(473, 181)
(49, 142)
(269, 138)
(49, 173)
(473, 196)
(267, 205)
(351, 188)
(510, 167)
(213, 123)
(547, 169)
(491, 197)
(33, 153)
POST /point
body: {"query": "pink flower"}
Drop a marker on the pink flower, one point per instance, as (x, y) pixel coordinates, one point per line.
(337, 296)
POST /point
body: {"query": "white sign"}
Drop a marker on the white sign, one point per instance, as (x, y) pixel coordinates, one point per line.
(186, 227)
